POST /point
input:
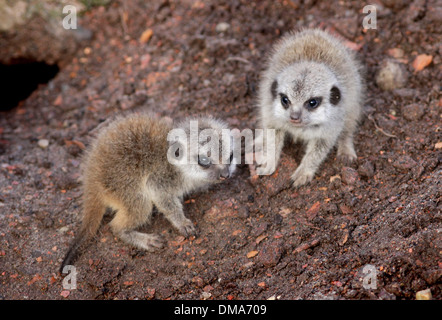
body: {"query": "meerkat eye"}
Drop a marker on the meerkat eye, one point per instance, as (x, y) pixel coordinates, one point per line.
(313, 103)
(204, 161)
(285, 101)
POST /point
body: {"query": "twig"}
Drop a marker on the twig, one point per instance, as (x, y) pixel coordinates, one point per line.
(306, 246)
(380, 129)
(123, 18)
(238, 59)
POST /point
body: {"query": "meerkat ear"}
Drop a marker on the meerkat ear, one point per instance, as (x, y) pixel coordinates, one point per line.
(335, 95)
(273, 89)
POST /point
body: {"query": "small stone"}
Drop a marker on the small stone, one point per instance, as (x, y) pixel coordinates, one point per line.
(205, 295)
(43, 143)
(438, 145)
(221, 209)
(413, 112)
(391, 75)
(366, 169)
(404, 163)
(150, 294)
(335, 182)
(270, 254)
(424, 295)
(198, 282)
(345, 209)
(385, 295)
(396, 53)
(63, 230)
(222, 27)
(128, 88)
(349, 176)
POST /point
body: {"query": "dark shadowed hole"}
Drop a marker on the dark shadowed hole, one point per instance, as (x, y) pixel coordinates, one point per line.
(20, 78)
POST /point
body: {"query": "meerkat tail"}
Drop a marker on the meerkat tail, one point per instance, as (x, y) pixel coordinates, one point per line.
(93, 215)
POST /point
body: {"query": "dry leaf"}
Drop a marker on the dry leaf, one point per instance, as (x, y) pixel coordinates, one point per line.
(313, 211)
(421, 61)
(251, 254)
(65, 293)
(37, 277)
(236, 232)
(58, 101)
(146, 35)
(260, 238)
(75, 142)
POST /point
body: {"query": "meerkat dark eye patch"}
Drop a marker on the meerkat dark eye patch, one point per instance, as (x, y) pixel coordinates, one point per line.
(335, 95)
(273, 89)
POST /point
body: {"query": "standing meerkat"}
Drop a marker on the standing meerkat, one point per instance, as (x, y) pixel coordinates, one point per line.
(128, 169)
(312, 90)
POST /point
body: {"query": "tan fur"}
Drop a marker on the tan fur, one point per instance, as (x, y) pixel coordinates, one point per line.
(301, 66)
(127, 170)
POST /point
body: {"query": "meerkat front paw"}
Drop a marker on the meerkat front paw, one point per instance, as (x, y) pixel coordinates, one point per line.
(301, 177)
(187, 228)
(347, 159)
(347, 156)
(346, 153)
(154, 242)
(265, 170)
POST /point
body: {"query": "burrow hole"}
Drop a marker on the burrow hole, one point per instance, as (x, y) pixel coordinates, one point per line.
(19, 78)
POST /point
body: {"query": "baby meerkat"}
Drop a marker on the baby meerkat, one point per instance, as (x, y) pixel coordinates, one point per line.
(133, 165)
(311, 90)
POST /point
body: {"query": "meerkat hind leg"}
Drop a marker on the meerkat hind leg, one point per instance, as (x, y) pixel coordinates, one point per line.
(124, 223)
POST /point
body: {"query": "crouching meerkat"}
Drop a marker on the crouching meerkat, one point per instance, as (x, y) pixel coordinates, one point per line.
(132, 165)
(312, 90)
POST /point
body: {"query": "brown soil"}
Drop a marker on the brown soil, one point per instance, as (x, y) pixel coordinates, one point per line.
(257, 240)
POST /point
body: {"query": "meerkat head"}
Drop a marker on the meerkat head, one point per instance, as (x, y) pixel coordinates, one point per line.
(202, 149)
(306, 94)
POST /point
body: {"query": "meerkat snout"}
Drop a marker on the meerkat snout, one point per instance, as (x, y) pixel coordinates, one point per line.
(224, 173)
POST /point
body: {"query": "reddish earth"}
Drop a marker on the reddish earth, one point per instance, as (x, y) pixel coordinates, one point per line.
(257, 239)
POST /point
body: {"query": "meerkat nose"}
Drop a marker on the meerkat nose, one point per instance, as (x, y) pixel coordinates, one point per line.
(225, 173)
(295, 117)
